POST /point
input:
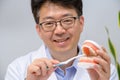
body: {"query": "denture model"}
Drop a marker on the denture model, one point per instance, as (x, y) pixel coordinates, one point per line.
(88, 48)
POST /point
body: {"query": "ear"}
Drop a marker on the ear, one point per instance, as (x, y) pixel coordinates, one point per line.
(38, 29)
(81, 20)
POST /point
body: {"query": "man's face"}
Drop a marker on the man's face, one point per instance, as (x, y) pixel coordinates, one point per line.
(59, 40)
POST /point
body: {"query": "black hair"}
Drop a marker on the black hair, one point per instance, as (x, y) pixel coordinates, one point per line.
(37, 4)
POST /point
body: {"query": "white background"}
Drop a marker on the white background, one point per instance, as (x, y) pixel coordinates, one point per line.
(18, 35)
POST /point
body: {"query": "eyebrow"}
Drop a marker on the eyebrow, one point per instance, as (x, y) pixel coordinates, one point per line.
(50, 17)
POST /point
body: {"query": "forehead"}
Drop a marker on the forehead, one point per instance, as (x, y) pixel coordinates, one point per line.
(55, 11)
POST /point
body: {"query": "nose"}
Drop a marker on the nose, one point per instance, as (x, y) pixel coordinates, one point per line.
(59, 29)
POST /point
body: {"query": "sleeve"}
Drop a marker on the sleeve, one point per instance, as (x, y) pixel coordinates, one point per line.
(15, 71)
(114, 75)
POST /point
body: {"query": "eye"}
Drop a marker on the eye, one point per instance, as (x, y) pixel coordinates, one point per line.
(47, 24)
(67, 21)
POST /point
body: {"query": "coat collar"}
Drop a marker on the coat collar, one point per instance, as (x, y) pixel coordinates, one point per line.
(81, 74)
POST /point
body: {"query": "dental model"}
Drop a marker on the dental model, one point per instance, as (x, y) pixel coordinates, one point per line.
(88, 48)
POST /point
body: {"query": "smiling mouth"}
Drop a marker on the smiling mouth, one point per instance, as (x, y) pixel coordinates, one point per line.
(61, 40)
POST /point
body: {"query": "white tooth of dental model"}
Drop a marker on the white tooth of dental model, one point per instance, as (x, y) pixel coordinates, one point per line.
(88, 48)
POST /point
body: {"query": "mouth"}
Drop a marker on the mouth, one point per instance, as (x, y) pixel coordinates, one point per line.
(61, 40)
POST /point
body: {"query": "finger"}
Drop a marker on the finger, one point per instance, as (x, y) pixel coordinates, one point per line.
(99, 70)
(47, 65)
(42, 65)
(43, 68)
(34, 70)
(50, 63)
(55, 61)
(43, 62)
(104, 49)
(105, 65)
(104, 55)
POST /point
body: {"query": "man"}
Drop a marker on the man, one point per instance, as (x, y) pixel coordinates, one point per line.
(59, 24)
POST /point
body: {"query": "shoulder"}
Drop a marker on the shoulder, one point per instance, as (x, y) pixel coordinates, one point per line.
(28, 58)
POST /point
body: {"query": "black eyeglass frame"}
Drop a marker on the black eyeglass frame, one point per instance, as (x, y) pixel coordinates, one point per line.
(55, 23)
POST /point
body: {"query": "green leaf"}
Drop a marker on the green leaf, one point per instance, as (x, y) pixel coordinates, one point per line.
(118, 69)
(112, 48)
(107, 31)
(119, 19)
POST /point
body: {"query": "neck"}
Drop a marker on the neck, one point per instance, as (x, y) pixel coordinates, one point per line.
(63, 56)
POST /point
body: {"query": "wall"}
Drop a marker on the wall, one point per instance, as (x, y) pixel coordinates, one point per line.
(18, 35)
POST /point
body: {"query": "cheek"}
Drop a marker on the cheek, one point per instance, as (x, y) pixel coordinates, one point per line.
(46, 36)
(77, 31)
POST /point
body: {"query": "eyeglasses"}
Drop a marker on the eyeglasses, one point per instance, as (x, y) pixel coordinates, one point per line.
(66, 23)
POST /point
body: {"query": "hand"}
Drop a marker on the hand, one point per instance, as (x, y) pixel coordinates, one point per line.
(40, 69)
(101, 70)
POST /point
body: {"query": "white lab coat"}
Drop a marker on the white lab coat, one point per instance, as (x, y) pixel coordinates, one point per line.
(17, 69)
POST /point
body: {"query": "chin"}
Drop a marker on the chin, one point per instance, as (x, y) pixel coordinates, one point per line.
(62, 50)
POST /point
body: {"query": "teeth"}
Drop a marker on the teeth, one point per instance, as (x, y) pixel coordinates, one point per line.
(61, 40)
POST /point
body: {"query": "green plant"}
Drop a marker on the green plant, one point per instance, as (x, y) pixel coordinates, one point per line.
(119, 19)
(113, 49)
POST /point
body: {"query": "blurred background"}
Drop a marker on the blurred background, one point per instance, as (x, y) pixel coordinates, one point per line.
(18, 35)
